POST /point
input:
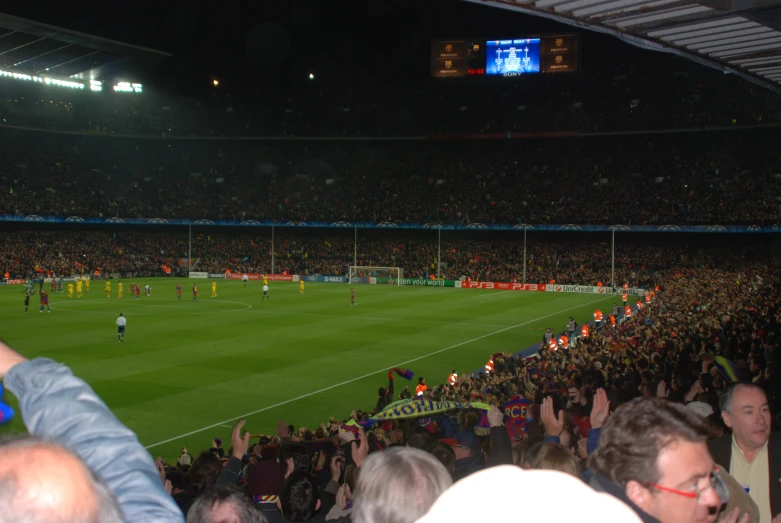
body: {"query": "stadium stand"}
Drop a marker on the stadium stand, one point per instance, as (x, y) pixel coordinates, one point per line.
(663, 180)
(573, 261)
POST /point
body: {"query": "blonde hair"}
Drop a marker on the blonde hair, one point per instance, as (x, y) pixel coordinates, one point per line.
(553, 456)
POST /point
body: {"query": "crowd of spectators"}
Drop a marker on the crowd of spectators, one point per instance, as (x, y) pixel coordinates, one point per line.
(721, 179)
(660, 93)
(666, 350)
(578, 260)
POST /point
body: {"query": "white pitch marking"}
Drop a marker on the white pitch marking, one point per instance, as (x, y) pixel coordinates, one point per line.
(367, 375)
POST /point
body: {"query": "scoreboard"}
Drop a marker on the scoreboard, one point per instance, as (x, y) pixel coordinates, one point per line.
(459, 58)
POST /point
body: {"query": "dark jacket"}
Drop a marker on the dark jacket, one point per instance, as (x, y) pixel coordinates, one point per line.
(501, 447)
(602, 483)
(721, 451)
(384, 401)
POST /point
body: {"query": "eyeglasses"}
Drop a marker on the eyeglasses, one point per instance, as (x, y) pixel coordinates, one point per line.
(714, 482)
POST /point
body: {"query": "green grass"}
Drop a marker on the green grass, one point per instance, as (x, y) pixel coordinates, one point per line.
(187, 368)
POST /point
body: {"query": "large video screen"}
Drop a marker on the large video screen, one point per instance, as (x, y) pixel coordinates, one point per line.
(512, 57)
(477, 57)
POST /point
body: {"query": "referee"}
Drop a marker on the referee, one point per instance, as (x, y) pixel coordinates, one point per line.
(121, 322)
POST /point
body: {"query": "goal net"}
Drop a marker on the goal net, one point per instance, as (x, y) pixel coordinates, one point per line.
(375, 275)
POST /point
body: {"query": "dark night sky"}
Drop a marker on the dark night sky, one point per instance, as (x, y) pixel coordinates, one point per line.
(335, 40)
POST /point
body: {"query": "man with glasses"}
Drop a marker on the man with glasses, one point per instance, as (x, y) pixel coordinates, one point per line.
(752, 455)
(652, 455)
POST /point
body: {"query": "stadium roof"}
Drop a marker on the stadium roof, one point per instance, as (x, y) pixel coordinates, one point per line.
(736, 36)
(34, 48)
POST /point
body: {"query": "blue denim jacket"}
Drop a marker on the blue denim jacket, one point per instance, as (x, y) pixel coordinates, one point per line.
(59, 406)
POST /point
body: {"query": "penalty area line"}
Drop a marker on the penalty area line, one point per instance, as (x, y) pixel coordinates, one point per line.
(281, 403)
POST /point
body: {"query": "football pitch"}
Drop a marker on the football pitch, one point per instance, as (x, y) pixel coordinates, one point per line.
(186, 371)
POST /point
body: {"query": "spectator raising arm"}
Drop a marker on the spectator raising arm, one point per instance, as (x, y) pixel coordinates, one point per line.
(60, 407)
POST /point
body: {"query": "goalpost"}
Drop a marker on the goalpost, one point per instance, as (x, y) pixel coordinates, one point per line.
(375, 275)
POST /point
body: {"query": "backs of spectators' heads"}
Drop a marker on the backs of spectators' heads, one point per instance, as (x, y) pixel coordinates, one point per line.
(225, 504)
(444, 453)
(295, 456)
(298, 500)
(491, 495)
(398, 485)
(418, 437)
(41, 482)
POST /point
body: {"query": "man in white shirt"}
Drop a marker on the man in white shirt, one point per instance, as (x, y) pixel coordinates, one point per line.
(752, 455)
(121, 322)
(265, 294)
(245, 279)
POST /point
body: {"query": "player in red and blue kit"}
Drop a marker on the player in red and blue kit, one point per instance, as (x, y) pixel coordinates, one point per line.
(178, 290)
(352, 298)
(44, 301)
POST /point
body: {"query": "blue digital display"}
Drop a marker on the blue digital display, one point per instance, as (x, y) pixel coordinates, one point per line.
(512, 57)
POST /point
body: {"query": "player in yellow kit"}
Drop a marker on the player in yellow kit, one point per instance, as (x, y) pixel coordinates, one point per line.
(79, 283)
(265, 280)
(86, 284)
(214, 288)
(108, 289)
(301, 287)
(70, 291)
(119, 290)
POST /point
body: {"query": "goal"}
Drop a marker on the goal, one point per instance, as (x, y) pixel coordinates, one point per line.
(375, 275)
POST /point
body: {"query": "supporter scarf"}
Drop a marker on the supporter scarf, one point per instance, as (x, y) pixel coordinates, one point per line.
(538, 372)
(728, 369)
(404, 373)
(483, 426)
(421, 409)
(400, 403)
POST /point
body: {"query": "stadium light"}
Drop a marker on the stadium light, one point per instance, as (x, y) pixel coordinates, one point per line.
(311, 76)
(215, 82)
(41, 79)
(95, 85)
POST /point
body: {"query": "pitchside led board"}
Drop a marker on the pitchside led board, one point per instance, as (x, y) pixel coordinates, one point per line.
(475, 58)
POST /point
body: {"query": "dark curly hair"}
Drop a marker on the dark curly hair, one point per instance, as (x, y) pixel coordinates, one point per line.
(204, 472)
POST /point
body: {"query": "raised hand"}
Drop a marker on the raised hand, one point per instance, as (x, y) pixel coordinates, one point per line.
(361, 450)
(661, 390)
(160, 468)
(600, 410)
(495, 417)
(554, 425)
(336, 468)
(240, 443)
(281, 429)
